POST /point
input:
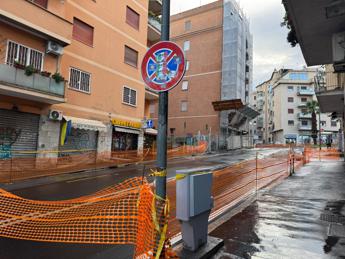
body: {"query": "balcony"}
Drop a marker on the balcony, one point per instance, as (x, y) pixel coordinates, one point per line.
(305, 92)
(304, 115)
(155, 6)
(37, 20)
(154, 29)
(302, 105)
(329, 88)
(304, 127)
(14, 82)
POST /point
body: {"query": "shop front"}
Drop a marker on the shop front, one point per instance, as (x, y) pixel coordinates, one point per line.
(125, 135)
(79, 136)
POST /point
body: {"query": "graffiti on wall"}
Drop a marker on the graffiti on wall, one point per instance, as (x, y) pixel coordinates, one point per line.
(8, 136)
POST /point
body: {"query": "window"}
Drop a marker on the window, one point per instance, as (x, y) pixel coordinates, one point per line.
(323, 123)
(184, 106)
(185, 85)
(23, 55)
(187, 65)
(304, 100)
(291, 122)
(304, 123)
(131, 56)
(254, 98)
(187, 25)
(43, 3)
(132, 18)
(333, 124)
(129, 96)
(290, 99)
(303, 88)
(186, 45)
(185, 125)
(152, 108)
(82, 32)
(290, 89)
(298, 76)
(80, 80)
(290, 111)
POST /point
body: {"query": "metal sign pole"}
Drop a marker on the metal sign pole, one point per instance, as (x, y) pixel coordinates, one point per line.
(163, 113)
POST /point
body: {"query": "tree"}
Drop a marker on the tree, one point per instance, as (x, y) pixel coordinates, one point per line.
(313, 108)
(292, 37)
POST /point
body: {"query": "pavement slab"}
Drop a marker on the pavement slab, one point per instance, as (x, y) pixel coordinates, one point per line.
(284, 222)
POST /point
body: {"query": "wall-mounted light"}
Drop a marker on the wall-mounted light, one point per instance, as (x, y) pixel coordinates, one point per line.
(335, 9)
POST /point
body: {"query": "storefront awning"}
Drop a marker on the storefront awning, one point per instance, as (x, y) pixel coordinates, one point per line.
(126, 130)
(79, 123)
(151, 131)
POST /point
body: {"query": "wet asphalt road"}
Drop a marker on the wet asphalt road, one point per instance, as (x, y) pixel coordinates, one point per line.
(89, 183)
(285, 221)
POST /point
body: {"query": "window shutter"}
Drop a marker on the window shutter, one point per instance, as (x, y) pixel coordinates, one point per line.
(133, 97)
(82, 32)
(131, 56)
(132, 18)
(126, 94)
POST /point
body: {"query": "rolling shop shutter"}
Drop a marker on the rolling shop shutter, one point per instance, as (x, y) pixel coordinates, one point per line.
(18, 132)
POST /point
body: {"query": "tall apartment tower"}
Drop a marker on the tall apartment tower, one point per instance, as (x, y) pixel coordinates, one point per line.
(218, 47)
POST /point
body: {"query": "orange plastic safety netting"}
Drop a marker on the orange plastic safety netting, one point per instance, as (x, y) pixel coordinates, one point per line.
(323, 154)
(127, 213)
(19, 165)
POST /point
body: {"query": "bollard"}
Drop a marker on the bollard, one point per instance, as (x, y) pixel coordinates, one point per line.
(193, 205)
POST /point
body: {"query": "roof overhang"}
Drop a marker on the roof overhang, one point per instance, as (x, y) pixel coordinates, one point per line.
(315, 27)
(226, 105)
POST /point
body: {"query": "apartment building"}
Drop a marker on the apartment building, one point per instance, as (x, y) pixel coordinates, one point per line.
(285, 118)
(69, 74)
(218, 48)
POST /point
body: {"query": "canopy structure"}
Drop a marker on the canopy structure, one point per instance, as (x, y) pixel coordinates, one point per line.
(234, 104)
(79, 123)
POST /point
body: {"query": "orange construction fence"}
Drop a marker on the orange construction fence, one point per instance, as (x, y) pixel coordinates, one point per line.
(19, 165)
(130, 213)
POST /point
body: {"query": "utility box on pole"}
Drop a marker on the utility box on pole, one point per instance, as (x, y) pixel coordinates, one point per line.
(194, 202)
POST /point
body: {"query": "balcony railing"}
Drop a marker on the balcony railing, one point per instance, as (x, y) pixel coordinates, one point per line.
(15, 77)
(307, 91)
(155, 23)
(304, 127)
(304, 115)
(329, 81)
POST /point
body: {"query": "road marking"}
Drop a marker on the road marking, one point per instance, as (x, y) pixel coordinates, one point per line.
(88, 178)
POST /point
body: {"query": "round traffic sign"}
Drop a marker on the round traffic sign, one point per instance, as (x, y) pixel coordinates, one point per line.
(163, 66)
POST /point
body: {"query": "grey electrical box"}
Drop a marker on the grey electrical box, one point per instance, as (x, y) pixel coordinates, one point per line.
(193, 205)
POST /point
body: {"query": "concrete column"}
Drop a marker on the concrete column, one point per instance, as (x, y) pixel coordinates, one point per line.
(141, 142)
(48, 141)
(104, 142)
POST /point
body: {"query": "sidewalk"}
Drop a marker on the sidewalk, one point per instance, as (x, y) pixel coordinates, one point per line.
(292, 220)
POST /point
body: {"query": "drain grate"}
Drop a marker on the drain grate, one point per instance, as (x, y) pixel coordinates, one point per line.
(334, 218)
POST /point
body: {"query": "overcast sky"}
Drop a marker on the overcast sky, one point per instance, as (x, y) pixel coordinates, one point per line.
(271, 49)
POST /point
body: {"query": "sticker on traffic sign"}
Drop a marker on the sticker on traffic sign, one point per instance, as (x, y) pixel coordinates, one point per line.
(163, 66)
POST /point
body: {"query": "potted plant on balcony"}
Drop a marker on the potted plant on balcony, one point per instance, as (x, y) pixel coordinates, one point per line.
(18, 65)
(30, 70)
(58, 77)
(45, 73)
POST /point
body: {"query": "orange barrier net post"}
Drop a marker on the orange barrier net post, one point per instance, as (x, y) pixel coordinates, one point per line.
(127, 213)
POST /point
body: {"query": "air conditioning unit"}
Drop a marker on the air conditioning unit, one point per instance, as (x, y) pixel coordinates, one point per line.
(54, 48)
(338, 47)
(55, 115)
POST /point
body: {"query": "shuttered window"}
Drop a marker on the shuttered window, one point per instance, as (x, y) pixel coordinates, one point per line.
(17, 53)
(80, 80)
(43, 3)
(131, 56)
(129, 96)
(82, 32)
(132, 18)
